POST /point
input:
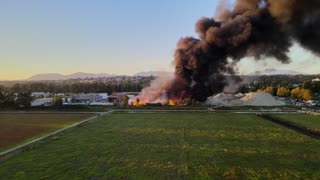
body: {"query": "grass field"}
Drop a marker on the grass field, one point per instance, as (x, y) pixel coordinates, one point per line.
(307, 120)
(170, 146)
(19, 128)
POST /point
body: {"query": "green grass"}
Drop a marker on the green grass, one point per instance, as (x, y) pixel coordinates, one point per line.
(85, 108)
(20, 128)
(307, 120)
(170, 146)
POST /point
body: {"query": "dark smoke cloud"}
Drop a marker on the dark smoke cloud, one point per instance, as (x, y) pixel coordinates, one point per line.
(253, 28)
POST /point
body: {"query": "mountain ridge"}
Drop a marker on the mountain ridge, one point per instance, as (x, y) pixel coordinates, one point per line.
(82, 75)
(77, 75)
(272, 71)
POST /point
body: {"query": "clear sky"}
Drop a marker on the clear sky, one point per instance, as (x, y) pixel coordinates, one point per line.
(102, 36)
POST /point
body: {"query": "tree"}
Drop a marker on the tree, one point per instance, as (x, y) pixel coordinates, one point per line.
(57, 101)
(295, 93)
(244, 89)
(307, 84)
(316, 87)
(260, 90)
(306, 94)
(17, 88)
(125, 100)
(283, 92)
(188, 101)
(2, 99)
(269, 90)
(2, 88)
(24, 99)
(9, 100)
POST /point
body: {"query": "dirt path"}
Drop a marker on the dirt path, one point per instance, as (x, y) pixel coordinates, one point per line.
(291, 126)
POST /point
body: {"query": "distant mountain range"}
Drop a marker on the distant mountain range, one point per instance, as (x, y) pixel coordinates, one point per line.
(151, 73)
(81, 75)
(276, 72)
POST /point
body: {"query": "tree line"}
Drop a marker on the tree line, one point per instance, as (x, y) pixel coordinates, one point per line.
(296, 93)
(15, 100)
(76, 87)
(285, 87)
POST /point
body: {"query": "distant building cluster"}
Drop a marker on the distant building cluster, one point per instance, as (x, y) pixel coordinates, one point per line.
(94, 99)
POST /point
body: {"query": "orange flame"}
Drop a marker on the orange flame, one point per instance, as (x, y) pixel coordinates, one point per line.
(171, 102)
(176, 102)
(138, 103)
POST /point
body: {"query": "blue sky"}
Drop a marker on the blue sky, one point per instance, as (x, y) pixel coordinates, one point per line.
(111, 36)
(102, 36)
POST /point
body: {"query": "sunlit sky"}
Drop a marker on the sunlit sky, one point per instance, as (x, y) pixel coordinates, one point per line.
(106, 36)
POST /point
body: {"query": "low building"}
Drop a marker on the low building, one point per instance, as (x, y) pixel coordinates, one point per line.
(40, 94)
(130, 93)
(104, 96)
(89, 98)
(316, 80)
(114, 98)
(60, 94)
(312, 103)
(42, 102)
(296, 85)
(118, 98)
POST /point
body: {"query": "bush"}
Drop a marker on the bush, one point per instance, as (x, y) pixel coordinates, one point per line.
(57, 101)
(283, 92)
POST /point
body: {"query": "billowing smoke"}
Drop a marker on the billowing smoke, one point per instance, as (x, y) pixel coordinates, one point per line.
(157, 91)
(252, 28)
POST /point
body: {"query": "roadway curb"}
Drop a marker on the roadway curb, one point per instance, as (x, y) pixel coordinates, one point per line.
(20, 147)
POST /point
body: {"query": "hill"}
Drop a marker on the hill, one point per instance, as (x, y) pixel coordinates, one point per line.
(276, 72)
(55, 76)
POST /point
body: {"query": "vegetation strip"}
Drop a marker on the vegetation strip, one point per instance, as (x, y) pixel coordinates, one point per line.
(212, 111)
(22, 112)
(19, 147)
(290, 125)
(309, 120)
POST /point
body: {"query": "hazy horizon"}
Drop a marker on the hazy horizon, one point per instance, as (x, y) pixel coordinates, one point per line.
(114, 37)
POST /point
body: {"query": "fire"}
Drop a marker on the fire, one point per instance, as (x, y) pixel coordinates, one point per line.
(172, 102)
(138, 103)
(176, 102)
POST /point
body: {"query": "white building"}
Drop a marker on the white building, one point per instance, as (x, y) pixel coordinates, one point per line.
(35, 94)
(316, 80)
(42, 102)
(92, 98)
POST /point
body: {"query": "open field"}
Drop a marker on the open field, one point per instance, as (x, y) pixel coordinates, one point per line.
(307, 120)
(19, 128)
(71, 108)
(170, 146)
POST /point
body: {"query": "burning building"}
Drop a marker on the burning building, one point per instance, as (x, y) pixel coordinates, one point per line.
(251, 28)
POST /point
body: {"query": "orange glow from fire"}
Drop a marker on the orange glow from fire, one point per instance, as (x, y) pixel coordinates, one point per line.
(171, 102)
(138, 103)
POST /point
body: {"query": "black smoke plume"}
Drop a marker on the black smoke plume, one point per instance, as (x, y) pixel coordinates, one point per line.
(253, 28)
